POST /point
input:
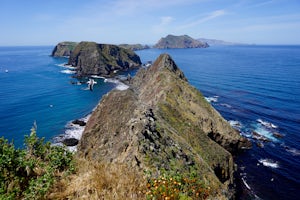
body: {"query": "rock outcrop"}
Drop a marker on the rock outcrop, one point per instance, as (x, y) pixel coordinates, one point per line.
(91, 58)
(63, 49)
(183, 41)
(162, 124)
(134, 47)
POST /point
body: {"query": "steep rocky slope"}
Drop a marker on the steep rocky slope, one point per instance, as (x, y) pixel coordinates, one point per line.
(63, 49)
(91, 58)
(183, 41)
(161, 124)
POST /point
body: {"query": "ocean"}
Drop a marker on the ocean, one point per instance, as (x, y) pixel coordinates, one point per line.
(256, 88)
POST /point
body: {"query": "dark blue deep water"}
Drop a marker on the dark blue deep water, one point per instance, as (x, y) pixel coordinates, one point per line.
(256, 88)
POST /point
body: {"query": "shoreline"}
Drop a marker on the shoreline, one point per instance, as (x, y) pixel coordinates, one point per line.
(74, 129)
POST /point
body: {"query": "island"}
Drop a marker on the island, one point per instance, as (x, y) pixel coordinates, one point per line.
(183, 41)
(134, 47)
(91, 58)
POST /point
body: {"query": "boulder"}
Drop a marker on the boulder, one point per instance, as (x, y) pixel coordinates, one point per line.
(70, 142)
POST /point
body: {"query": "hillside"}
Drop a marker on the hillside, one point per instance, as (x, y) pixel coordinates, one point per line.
(91, 58)
(184, 41)
(160, 127)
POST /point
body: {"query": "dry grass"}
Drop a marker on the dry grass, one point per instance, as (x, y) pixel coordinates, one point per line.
(101, 181)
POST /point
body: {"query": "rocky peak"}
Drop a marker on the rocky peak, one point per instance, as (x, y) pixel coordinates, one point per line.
(164, 61)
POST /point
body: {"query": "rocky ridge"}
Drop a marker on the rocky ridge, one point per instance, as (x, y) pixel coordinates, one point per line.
(183, 41)
(161, 124)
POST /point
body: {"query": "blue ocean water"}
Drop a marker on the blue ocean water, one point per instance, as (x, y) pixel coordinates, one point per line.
(256, 88)
(36, 88)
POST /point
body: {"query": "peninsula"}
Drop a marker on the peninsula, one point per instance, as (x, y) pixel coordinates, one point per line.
(160, 129)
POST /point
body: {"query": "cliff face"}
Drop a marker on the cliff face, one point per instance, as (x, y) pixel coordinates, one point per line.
(183, 41)
(163, 124)
(63, 49)
(91, 58)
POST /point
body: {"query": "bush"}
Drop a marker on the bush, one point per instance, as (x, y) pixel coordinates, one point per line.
(176, 187)
(29, 173)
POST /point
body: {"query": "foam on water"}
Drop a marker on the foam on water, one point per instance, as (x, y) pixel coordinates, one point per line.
(120, 85)
(269, 163)
(266, 124)
(235, 124)
(65, 65)
(264, 132)
(72, 131)
(291, 150)
(225, 105)
(96, 76)
(68, 71)
(213, 99)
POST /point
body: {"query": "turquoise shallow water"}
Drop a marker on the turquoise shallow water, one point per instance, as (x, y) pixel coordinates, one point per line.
(256, 88)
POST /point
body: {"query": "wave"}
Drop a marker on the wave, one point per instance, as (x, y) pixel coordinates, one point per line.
(293, 151)
(264, 134)
(213, 99)
(96, 76)
(71, 131)
(266, 124)
(225, 105)
(269, 163)
(68, 71)
(120, 85)
(246, 184)
(65, 65)
(235, 124)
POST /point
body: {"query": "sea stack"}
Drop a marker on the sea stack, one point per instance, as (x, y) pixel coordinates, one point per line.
(162, 125)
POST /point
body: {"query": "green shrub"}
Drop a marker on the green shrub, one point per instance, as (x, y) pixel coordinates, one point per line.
(29, 173)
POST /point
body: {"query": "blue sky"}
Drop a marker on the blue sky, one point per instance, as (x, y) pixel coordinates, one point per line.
(38, 22)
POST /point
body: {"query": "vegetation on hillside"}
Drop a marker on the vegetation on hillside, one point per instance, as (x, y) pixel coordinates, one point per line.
(29, 173)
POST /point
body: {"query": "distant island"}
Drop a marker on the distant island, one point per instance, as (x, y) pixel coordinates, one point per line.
(214, 42)
(134, 47)
(183, 41)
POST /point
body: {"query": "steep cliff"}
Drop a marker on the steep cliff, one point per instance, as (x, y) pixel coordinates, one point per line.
(161, 124)
(91, 58)
(63, 49)
(183, 41)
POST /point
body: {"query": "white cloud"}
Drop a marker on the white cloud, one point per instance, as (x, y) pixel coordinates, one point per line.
(163, 25)
(208, 17)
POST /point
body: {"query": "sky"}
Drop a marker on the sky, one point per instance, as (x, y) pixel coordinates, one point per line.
(38, 22)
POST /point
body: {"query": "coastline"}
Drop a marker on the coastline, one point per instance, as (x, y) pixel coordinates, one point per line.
(74, 129)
